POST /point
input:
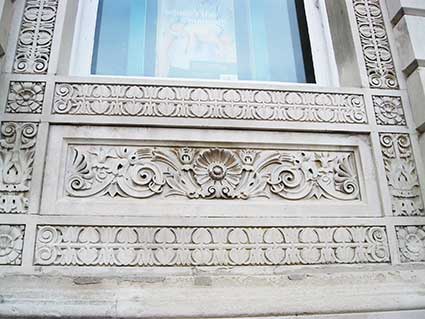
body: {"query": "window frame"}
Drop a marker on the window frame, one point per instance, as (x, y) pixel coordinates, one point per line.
(322, 51)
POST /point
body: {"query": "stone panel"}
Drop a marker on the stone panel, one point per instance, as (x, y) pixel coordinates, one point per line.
(208, 103)
(209, 246)
(11, 244)
(401, 175)
(389, 110)
(17, 150)
(35, 36)
(374, 41)
(25, 97)
(411, 242)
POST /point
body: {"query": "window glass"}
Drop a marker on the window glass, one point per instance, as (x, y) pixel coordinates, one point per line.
(261, 40)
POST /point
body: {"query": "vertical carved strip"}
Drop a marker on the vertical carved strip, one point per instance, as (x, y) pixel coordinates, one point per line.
(401, 175)
(17, 150)
(375, 45)
(11, 244)
(35, 36)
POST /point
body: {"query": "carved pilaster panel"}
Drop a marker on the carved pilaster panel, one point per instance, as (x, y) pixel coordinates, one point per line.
(209, 246)
(11, 244)
(17, 148)
(375, 45)
(25, 97)
(35, 36)
(411, 242)
(210, 173)
(401, 174)
(206, 103)
(389, 110)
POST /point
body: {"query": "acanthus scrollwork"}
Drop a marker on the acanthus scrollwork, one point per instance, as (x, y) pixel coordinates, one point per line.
(375, 44)
(209, 246)
(210, 173)
(35, 36)
(401, 174)
(16, 162)
(186, 102)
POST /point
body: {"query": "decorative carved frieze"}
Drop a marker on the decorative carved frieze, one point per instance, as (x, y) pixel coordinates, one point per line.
(375, 45)
(209, 246)
(35, 36)
(208, 103)
(16, 163)
(411, 241)
(389, 110)
(201, 173)
(25, 97)
(11, 244)
(401, 174)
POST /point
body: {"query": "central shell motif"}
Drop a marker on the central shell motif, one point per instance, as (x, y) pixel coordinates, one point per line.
(218, 172)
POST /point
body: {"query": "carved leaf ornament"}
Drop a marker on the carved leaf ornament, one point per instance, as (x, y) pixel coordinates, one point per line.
(210, 173)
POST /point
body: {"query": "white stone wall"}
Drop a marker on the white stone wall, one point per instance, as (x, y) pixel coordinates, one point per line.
(130, 197)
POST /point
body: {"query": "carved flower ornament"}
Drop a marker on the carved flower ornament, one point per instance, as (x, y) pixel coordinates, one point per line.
(10, 244)
(26, 97)
(412, 243)
(218, 172)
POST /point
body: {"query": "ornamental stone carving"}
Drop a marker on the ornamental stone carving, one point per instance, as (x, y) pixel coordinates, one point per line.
(25, 97)
(35, 36)
(16, 163)
(401, 175)
(411, 241)
(208, 103)
(11, 243)
(375, 45)
(389, 110)
(142, 172)
(209, 246)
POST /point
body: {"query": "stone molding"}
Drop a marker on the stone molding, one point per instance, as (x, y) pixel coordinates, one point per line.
(209, 246)
(210, 173)
(411, 242)
(17, 150)
(401, 173)
(388, 110)
(11, 244)
(207, 103)
(25, 97)
(375, 44)
(35, 37)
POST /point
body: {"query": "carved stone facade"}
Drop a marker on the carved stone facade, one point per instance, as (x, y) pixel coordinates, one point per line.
(185, 102)
(121, 197)
(411, 241)
(16, 162)
(36, 36)
(207, 246)
(401, 175)
(11, 244)
(25, 97)
(217, 173)
(376, 47)
(389, 110)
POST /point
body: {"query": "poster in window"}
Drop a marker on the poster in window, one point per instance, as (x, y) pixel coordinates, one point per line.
(196, 38)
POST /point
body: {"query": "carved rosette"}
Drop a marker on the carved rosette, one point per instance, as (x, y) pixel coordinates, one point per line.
(186, 102)
(401, 175)
(35, 36)
(411, 241)
(389, 110)
(218, 173)
(374, 41)
(16, 162)
(25, 97)
(209, 246)
(11, 244)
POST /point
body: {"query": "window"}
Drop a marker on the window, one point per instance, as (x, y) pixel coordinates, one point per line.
(256, 40)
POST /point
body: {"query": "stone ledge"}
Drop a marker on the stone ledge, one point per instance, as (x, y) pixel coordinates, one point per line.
(215, 296)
